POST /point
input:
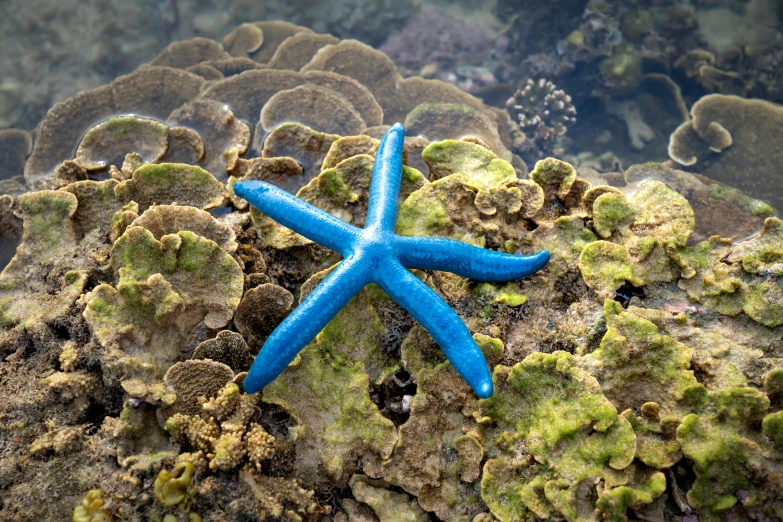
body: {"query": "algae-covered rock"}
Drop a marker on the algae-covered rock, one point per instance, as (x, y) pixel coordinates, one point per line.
(476, 197)
(426, 461)
(165, 288)
(44, 278)
(763, 254)
(168, 183)
(638, 365)
(135, 301)
(606, 267)
(553, 429)
(389, 506)
(326, 390)
(732, 458)
(337, 422)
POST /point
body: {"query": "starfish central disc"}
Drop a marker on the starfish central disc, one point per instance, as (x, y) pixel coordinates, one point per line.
(376, 255)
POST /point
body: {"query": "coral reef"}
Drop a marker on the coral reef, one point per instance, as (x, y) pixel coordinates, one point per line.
(638, 376)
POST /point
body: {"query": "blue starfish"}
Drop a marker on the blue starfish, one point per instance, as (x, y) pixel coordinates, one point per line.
(376, 255)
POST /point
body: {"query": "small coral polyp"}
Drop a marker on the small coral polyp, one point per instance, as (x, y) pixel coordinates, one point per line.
(135, 303)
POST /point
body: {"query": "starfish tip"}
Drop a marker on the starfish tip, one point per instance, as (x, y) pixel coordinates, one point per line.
(484, 389)
(541, 259)
(243, 188)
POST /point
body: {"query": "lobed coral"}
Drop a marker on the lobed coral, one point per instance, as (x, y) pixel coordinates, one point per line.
(637, 374)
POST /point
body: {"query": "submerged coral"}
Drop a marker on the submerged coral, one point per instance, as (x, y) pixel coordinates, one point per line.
(543, 113)
(637, 376)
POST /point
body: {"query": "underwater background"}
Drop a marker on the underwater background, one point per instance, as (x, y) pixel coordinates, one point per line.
(638, 376)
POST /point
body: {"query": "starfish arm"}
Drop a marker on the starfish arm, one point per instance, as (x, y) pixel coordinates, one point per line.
(386, 180)
(442, 323)
(298, 215)
(306, 320)
(466, 260)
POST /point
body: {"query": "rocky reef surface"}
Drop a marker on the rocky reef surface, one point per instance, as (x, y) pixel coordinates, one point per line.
(639, 376)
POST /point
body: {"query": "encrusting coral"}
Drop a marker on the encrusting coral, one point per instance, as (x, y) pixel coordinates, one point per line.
(637, 376)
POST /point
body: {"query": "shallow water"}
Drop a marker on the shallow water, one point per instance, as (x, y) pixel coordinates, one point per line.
(124, 125)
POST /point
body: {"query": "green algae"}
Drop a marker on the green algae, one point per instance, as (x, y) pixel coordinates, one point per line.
(729, 453)
(48, 226)
(555, 177)
(610, 212)
(481, 167)
(507, 294)
(638, 365)
(167, 183)
(763, 254)
(388, 505)
(165, 288)
(606, 266)
(426, 461)
(336, 419)
(423, 213)
(327, 391)
(548, 406)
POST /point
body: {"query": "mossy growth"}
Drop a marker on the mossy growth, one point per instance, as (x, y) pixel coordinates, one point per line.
(656, 442)
(564, 239)
(553, 409)
(424, 213)
(507, 294)
(554, 176)
(328, 396)
(730, 453)
(772, 426)
(707, 279)
(48, 228)
(344, 190)
(165, 289)
(389, 506)
(606, 266)
(46, 259)
(167, 183)
(174, 488)
(481, 167)
(610, 212)
(451, 207)
(763, 301)
(194, 267)
(638, 364)
(662, 214)
(763, 254)
(93, 508)
(434, 459)
(357, 333)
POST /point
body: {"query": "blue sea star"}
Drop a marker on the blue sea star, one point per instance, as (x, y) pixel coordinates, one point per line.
(377, 255)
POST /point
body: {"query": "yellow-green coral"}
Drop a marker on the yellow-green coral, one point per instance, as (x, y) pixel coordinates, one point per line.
(611, 211)
(172, 488)
(93, 508)
(637, 364)
(606, 267)
(167, 183)
(480, 166)
(730, 454)
(549, 407)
